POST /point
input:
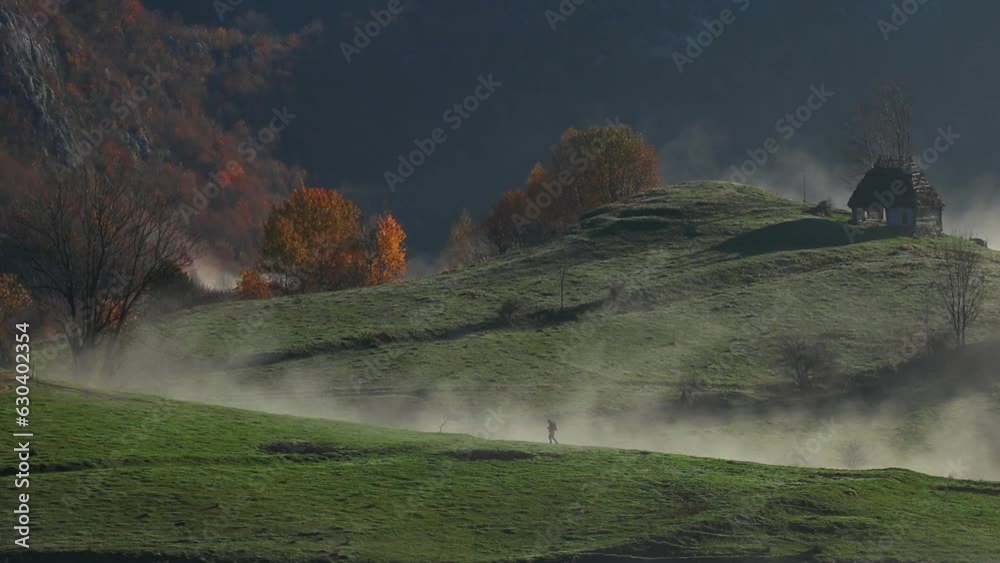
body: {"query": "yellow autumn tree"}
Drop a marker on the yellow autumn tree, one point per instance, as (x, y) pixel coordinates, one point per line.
(466, 244)
(313, 242)
(387, 254)
(602, 165)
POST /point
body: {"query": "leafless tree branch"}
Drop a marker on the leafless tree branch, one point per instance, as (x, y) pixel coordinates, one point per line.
(963, 285)
(94, 240)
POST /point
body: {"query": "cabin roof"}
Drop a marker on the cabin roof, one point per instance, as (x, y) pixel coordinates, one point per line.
(907, 183)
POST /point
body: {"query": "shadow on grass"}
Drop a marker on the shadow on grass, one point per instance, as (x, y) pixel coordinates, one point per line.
(803, 234)
(920, 383)
(539, 318)
(928, 381)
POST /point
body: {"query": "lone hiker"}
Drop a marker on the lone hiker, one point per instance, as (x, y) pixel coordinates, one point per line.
(552, 432)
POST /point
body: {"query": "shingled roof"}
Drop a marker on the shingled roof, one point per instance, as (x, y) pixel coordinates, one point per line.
(914, 190)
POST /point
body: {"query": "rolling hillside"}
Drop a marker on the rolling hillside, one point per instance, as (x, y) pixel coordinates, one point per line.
(696, 282)
(691, 282)
(130, 478)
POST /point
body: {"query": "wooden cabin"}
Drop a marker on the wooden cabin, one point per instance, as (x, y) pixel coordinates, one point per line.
(898, 193)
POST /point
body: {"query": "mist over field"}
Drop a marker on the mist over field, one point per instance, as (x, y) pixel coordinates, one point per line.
(936, 420)
(545, 281)
(959, 437)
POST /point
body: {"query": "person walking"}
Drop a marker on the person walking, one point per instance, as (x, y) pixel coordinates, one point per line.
(552, 433)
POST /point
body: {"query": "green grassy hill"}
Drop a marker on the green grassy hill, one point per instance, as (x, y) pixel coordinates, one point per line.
(129, 478)
(691, 282)
(698, 282)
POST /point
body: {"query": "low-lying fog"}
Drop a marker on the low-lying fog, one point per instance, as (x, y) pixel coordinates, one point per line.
(956, 437)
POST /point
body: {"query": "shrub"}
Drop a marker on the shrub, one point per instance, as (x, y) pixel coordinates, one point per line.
(806, 361)
(823, 209)
(512, 311)
(253, 285)
(939, 342)
(690, 387)
(172, 289)
(616, 291)
(691, 229)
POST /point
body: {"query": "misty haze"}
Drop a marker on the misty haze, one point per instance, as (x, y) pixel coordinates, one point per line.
(534, 281)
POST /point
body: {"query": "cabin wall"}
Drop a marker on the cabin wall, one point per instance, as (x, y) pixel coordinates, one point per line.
(930, 221)
(901, 217)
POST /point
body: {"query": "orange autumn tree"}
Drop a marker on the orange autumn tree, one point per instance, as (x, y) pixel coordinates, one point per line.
(253, 285)
(14, 298)
(313, 241)
(586, 170)
(387, 251)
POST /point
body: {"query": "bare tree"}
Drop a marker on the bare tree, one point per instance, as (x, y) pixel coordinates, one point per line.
(881, 126)
(853, 455)
(962, 285)
(563, 271)
(806, 361)
(444, 421)
(94, 239)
